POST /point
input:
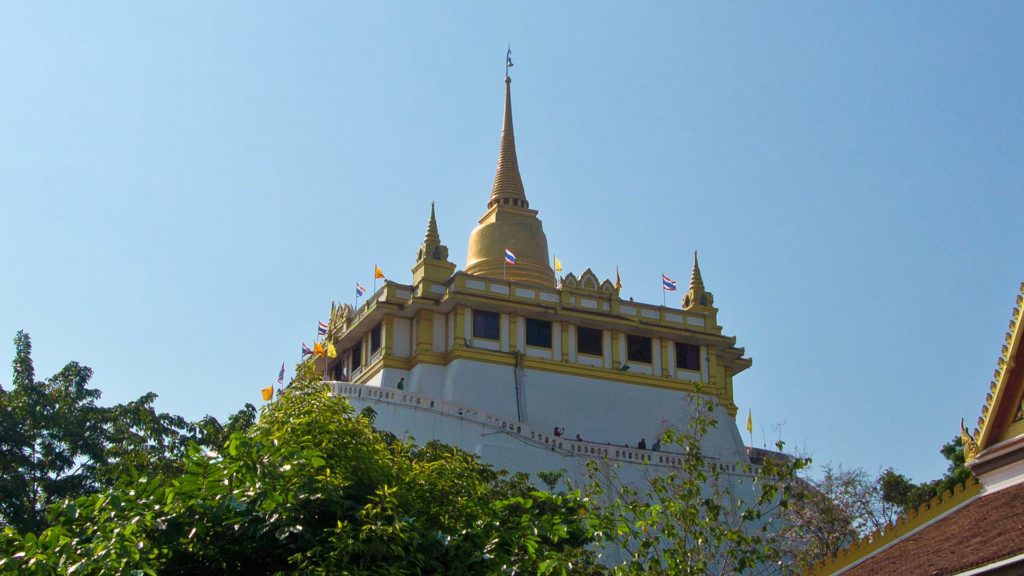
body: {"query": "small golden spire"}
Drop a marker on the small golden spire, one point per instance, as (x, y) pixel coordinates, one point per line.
(432, 238)
(697, 296)
(696, 282)
(432, 249)
(508, 184)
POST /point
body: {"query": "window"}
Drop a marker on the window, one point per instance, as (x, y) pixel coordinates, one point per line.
(638, 348)
(589, 341)
(687, 356)
(357, 356)
(486, 325)
(538, 333)
(375, 339)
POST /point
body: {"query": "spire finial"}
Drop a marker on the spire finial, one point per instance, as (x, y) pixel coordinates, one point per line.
(432, 238)
(508, 184)
(508, 60)
(696, 282)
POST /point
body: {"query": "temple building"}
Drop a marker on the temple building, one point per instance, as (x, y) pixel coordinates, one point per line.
(531, 371)
(979, 527)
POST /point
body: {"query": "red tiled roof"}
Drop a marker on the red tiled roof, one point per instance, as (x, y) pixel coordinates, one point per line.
(986, 530)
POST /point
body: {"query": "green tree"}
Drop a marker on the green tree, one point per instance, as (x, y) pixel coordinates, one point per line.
(311, 489)
(51, 438)
(899, 490)
(693, 519)
(57, 443)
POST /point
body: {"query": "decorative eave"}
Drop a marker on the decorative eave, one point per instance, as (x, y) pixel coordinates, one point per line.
(1002, 402)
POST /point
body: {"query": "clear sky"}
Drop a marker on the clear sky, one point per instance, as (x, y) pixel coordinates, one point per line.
(184, 189)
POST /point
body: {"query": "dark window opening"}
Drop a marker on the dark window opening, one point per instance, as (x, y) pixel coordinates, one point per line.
(538, 333)
(589, 341)
(638, 348)
(375, 339)
(357, 356)
(486, 325)
(687, 356)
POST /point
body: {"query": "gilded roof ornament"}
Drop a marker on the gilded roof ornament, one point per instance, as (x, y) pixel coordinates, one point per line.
(696, 282)
(508, 183)
(432, 249)
(509, 224)
(697, 296)
(1003, 388)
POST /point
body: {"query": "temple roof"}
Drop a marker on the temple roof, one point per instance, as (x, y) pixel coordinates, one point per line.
(983, 532)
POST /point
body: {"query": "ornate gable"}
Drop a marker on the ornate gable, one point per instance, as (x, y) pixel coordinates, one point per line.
(588, 282)
(1002, 415)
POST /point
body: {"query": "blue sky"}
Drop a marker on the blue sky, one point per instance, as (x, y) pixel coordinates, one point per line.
(184, 189)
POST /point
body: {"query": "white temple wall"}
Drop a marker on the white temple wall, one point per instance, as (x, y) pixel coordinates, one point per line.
(601, 411)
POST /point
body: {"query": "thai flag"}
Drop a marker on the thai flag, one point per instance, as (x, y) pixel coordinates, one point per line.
(305, 350)
(510, 258)
(321, 329)
(668, 283)
(360, 290)
(280, 375)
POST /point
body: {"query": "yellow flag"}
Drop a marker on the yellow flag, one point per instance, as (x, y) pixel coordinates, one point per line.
(558, 264)
(318, 350)
(332, 352)
(268, 393)
(750, 422)
(377, 272)
(618, 281)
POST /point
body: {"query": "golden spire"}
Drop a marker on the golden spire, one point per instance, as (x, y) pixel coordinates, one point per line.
(432, 258)
(509, 223)
(432, 238)
(697, 296)
(508, 184)
(696, 282)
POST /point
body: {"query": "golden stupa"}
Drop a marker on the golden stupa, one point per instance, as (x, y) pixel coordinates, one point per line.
(509, 223)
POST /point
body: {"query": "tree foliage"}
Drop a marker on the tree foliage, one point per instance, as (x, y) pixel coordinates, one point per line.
(694, 519)
(56, 443)
(844, 505)
(311, 489)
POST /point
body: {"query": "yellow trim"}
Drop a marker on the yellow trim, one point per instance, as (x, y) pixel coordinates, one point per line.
(460, 327)
(991, 429)
(424, 331)
(563, 327)
(368, 371)
(387, 335)
(1013, 430)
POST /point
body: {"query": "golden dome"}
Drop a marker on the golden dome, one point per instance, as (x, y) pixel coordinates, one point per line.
(509, 223)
